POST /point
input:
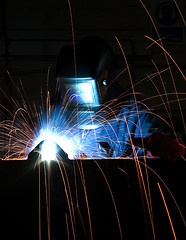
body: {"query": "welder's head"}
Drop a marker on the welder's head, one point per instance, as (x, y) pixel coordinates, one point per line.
(86, 71)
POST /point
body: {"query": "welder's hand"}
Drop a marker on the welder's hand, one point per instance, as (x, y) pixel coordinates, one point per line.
(164, 146)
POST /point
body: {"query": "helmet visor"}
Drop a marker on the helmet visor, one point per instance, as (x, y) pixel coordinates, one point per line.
(83, 92)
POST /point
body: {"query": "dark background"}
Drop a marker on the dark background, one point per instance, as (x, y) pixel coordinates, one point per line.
(19, 203)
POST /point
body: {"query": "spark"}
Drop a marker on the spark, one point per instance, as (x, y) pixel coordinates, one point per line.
(167, 211)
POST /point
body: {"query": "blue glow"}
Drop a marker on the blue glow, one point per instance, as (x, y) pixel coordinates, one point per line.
(83, 90)
(89, 126)
(64, 127)
(60, 126)
(105, 82)
(48, 151)
(67, 143)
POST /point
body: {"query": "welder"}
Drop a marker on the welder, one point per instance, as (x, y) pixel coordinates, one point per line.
(112, 125)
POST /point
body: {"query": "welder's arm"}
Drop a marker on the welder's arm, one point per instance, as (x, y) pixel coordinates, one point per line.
(163, 146)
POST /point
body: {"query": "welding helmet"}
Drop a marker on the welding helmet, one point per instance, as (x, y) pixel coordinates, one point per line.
(79, 69)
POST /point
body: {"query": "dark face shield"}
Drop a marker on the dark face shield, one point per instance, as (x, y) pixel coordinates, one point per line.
(82, 73)
(83, 99)
(81, 92)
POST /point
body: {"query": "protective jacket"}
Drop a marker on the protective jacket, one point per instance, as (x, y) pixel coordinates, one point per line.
(116, 138)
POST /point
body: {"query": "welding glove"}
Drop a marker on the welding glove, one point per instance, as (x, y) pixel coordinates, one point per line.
(164, 146)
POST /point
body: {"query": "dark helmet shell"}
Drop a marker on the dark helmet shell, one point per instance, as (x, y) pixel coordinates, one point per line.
(92, 56)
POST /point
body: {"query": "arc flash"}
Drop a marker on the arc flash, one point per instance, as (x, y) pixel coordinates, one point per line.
(48, 151)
